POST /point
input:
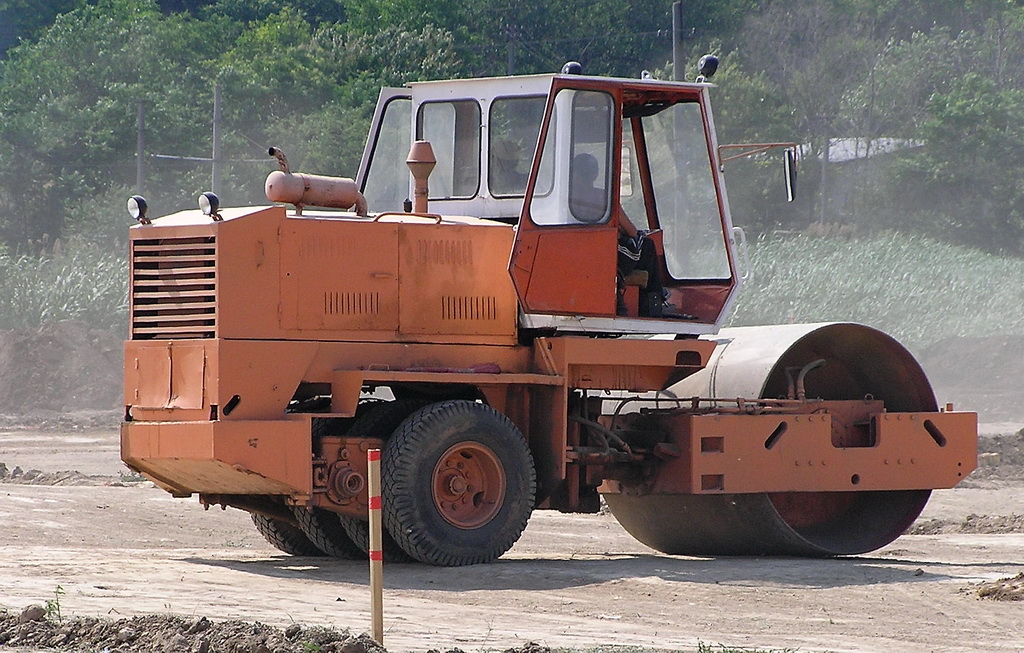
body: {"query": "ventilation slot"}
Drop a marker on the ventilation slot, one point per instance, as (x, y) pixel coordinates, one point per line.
(469, 308)
(351, 303)
(174, 288)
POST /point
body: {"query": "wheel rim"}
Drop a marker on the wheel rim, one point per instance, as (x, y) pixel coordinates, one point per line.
(469, 485)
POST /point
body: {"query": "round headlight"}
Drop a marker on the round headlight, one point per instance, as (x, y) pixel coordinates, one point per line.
(707, 67)
(209, 204)
(137, 208)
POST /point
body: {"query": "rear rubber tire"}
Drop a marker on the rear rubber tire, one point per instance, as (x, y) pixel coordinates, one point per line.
(458, 484)
(324, 530)
(380, 421)
(284, 536)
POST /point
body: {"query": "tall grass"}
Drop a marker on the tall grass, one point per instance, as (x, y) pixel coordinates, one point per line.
(80, 282)
(918, 290)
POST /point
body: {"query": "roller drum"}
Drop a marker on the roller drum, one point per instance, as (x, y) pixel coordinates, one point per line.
(751, 362)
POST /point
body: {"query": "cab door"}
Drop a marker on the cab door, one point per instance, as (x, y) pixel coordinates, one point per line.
(564, 259)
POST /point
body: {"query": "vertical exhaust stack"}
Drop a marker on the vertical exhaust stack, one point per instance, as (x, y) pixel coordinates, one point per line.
(421, 163)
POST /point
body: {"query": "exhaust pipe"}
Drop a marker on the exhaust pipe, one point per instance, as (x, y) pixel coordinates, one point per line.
(312, 190)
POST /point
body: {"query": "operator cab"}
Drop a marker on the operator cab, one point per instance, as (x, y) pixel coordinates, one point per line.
(570, 159)
(483, 133)
(655, 151)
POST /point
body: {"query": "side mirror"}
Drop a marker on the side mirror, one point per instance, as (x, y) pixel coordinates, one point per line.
(789, 161)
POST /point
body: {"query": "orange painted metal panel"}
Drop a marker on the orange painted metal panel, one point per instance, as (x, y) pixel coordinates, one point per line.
(639, 365)
(261, 274)
(339, 275)
(148, 376)
(249, 275)
(264, 375)
(232, 457)
(188, 375)
(375, 357)
(545, 427)
(573, 271)
(705, 301)
(454, 280)
(795, 453)
(165, 374)
(170, 379)
(182, 379)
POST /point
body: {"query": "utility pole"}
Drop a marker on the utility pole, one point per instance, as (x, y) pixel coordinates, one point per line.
(215, 182)
(678, 55)
(216, 160)
(511, 68)
(140, 149)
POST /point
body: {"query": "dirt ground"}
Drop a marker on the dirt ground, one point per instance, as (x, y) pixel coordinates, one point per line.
(115, 547)
(78, 533)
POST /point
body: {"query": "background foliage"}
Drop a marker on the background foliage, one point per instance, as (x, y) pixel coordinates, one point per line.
(910, 114)
(926, 94)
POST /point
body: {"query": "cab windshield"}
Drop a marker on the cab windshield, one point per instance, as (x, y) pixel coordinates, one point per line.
(684, 192)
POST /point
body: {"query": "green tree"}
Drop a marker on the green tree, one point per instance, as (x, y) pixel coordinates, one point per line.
(69, 103)
(609, 37)
(964, 182)
(24, 19)
(313, 90)
(249, 11)
(303, 75)
(917, 93)
(749, 108)
(68, 106)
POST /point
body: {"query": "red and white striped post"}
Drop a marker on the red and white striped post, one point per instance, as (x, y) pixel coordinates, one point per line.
(376, 547)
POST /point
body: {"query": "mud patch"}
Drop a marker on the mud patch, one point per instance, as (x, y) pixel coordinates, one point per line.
(1004, 589)
(74, 420)
(1001, 456)
(979, 374)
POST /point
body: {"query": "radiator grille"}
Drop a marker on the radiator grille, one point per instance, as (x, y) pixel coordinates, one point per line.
(174, 288)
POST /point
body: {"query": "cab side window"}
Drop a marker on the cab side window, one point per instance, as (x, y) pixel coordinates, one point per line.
(386, 185)
(581, 157)
(453, 129)
(590, 162)
(513, 126)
